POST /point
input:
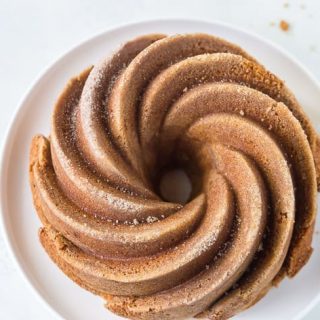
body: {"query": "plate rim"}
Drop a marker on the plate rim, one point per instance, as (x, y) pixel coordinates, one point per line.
(11, 126)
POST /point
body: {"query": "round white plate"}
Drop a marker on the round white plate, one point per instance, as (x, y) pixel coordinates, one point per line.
(291, 300)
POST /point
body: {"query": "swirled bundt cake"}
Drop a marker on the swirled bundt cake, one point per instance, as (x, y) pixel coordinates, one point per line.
(203, 104)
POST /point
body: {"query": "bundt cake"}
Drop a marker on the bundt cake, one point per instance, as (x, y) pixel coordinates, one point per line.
(190, 101)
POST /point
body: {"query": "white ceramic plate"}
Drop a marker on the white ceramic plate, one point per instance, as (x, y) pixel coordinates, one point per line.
(291, 300)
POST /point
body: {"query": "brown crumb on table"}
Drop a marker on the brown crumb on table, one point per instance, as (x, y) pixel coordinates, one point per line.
(286, 5)
(284, 25)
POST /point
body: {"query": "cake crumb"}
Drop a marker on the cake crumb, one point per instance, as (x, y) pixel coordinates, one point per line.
(284, 25)
(241, 113)
(286, 5)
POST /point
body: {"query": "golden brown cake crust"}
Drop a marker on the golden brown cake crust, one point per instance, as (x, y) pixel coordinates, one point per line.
(206, 105)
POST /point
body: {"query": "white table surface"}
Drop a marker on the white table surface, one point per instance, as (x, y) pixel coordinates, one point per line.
(34, 33)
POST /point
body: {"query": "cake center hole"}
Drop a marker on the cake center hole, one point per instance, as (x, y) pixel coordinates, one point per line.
(175, 186)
